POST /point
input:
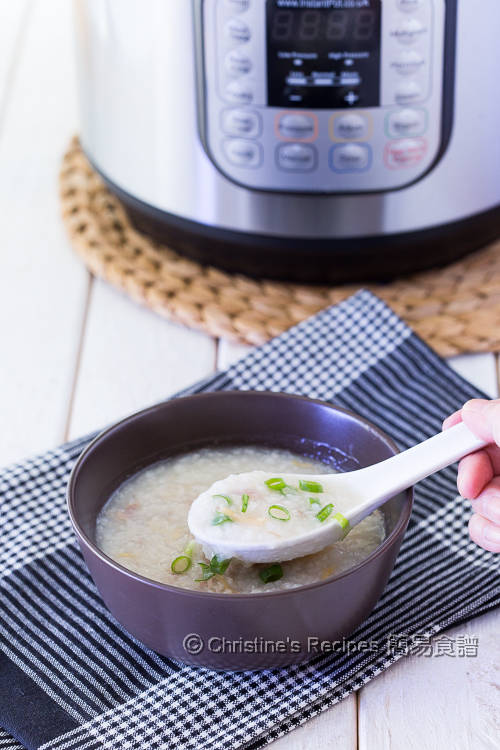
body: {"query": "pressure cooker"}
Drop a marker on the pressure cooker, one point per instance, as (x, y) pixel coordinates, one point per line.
(314, 140)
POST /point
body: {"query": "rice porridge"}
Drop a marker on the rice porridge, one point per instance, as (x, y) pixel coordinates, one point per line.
(143, 526)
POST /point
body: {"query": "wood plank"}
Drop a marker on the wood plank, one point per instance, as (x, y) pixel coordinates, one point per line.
(334, 729)
(42, 285)
(479, 369)
(423, 703)
(440, 701)
(14, 17)
(132, 358)
(229, 353)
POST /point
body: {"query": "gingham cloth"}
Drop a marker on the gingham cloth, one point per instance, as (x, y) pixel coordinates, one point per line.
(71, 677)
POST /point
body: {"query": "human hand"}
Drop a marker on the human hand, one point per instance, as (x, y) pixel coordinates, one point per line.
(479, 473)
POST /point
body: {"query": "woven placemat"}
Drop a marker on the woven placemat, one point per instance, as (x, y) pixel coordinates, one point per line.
(455, 309)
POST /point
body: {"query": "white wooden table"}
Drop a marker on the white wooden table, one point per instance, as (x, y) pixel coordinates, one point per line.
(76, 355)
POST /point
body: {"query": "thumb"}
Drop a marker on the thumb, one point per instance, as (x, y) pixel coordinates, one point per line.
(483, 418)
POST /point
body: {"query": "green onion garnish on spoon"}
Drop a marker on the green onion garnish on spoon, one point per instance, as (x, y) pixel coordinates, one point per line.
(323, 514)
(309, 486)
(343, 522)
(279, 512)
(220, 518)
(244, 503)
(224, 497)
(276, 483)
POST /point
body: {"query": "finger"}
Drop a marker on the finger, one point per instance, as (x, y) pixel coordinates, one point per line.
(474, 473)
(483, 418)
(493, 452)
(484, 533)
(453, 419)
(487, 503)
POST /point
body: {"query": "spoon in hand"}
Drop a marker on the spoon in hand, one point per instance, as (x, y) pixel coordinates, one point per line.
(256, 517)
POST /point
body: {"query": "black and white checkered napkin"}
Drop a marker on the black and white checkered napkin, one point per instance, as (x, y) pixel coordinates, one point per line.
(72, 678)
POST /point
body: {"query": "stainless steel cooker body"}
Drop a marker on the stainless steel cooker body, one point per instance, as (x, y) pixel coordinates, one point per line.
(315, 139)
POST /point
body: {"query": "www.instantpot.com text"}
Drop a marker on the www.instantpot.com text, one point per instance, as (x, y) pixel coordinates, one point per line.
(320, 4)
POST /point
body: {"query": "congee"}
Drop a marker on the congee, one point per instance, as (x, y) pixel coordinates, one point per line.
(143, 526)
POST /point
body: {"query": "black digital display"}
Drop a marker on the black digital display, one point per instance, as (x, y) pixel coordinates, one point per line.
(323, 54)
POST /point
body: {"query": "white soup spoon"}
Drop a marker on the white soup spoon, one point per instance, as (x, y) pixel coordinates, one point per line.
(259, 517)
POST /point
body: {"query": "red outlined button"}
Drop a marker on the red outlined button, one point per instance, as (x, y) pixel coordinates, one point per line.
(404, 153)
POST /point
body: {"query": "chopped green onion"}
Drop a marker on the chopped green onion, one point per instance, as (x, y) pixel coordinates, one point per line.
(272, 573)
(314, 501)
(181, 564)
(224, 497)
(220, 565)
(220, 518)
(279, 512)
(342, 521)
(323, 514)
(276, 483)
(215, 567)
(309, 486)
(188, 549)
(279, 485)
(244, 503)
(206, 573)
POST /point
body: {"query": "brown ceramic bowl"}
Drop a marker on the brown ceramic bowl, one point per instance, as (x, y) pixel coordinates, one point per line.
(218, 630)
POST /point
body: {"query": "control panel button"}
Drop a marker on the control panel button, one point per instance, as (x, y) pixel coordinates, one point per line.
(243, 122)
(407, 92)
(297, 126)
(237, 30)
(237, 6)
(239, 92)
(405, 153)
(350, 127)
(296, 157)
(409, 31)
(243, 153)
(406, 122)
(409, 5)
(238, 62)
(351, 98)
(351, 157)
(408, 63)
